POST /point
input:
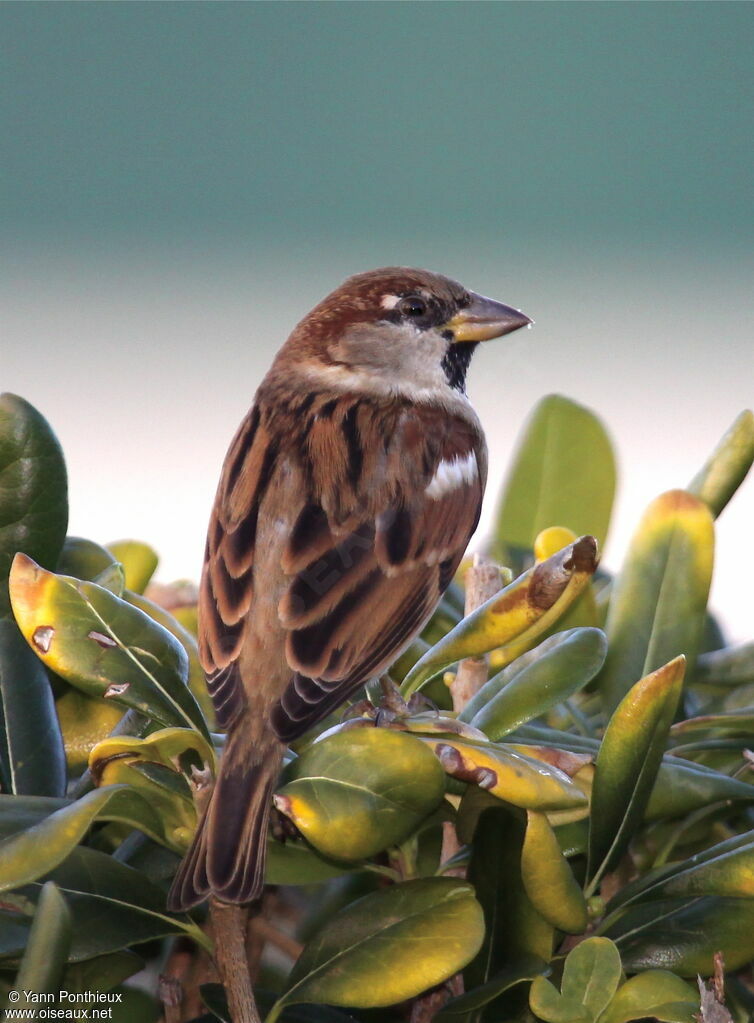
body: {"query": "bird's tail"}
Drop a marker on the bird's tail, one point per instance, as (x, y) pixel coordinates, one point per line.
(227, 856)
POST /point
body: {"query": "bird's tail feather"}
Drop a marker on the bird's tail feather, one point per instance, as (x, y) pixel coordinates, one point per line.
(227, 856)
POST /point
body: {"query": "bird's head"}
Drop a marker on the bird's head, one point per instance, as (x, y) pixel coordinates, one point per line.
(399, 329)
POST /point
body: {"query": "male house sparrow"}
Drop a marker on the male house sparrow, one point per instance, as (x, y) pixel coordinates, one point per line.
(345, 504)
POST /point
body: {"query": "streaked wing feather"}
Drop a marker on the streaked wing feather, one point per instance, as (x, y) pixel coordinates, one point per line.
(352, 609)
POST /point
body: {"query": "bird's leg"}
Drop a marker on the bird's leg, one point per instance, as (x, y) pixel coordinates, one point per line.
(229, 927)
(392, 701)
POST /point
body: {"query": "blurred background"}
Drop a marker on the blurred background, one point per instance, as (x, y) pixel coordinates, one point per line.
(182, 182)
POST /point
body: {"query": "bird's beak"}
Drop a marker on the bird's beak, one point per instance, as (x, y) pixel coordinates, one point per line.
(484, 318)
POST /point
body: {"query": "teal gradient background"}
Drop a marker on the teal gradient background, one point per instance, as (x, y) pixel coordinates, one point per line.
(181, 182)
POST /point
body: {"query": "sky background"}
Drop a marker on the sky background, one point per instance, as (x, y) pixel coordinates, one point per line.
(182, 182)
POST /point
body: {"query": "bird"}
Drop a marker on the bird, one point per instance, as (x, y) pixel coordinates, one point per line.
(344, 507)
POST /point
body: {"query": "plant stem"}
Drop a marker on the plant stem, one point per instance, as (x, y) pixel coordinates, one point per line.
(482, 582)
(229, 927)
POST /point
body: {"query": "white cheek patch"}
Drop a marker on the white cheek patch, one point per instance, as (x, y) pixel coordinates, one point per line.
(390, 301)
(452, 474)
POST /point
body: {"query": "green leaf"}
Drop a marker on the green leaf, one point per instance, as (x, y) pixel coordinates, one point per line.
(296, 863)
(20, 812)
(139, 562)
(197, 682)
(166, 793)
(563, 474)
(358, 792)
(683, 787)
(658, 994)
(725, 469)
(657, 609)
(112, 905)
(515, 616)
(102, 645)
(213, 996)
(723, 869)
(561, 670)
(31, 743)
(388, 946)
(49, 941)
(83, 559)
(683, 936)
(31, 853)
(549, 880)
(508, 774)
(33, 489)
(102, 973)
(464, 1008)
(547, 1002)
(591, 974)
(628, 763)
(514, 930)
(729, 666)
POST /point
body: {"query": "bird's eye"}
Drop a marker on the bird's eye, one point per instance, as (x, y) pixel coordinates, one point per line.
(413, 306)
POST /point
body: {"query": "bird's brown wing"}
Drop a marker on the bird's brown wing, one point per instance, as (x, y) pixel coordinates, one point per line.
(360, 592)
(380, 534)
(226, 591)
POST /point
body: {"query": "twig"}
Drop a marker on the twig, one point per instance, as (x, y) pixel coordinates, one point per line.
(170, 991)
(229, 925)
(482, 582)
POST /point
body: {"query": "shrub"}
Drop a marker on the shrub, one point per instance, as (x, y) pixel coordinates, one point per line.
(573, 843)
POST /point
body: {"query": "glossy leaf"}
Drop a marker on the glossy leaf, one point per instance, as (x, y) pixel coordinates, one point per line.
(197, 682)
(591, 974)
(514, 930)
(657, 609)
(295, 863)
(84, 721)
(549, 880)
(683, 787)
(84, 559)
(464, 1008)
(729, 666)
(102, 645)
(139, 562)
(163, 790)
(31, 745)
(112, 905)
(628, 763)
(562, 670)
(657, 994)
(563, 474)
(683, 935)
(388, 946)
(213, 996)
(515, 616)
(47, 951)
(584, 612)
(725, 469)
(33, 489)
(34, 852)
(358, 792)
(174, 748)
(506, 774)
(549, 1004)
(102, 973)
(723, 869)
(20, 812)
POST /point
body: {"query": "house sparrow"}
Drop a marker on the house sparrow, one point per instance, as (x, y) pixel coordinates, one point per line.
(345, 504)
